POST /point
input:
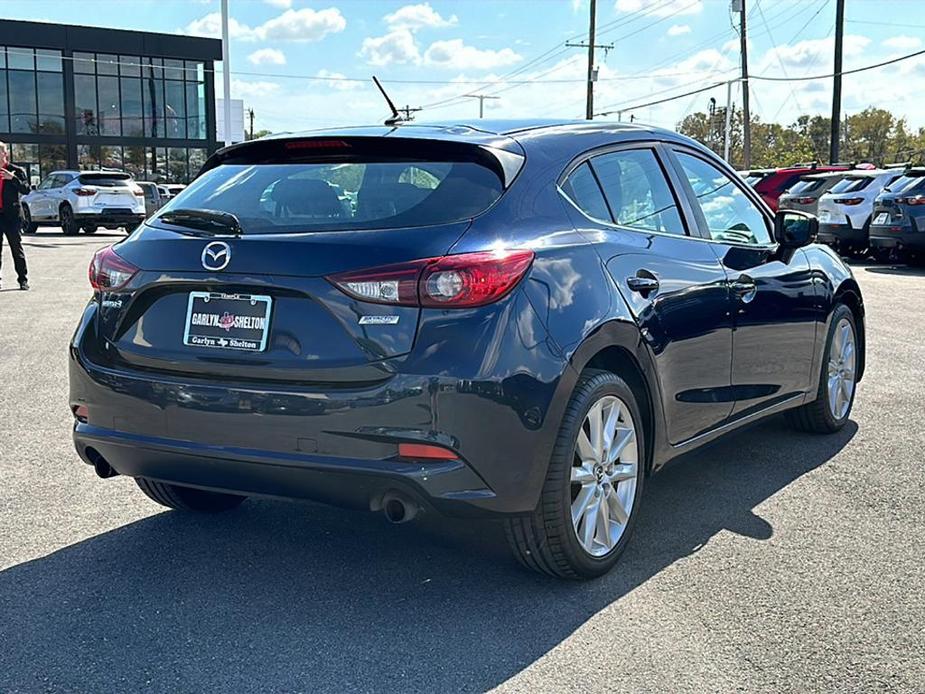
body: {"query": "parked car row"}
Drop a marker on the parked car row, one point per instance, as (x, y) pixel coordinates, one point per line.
(862, 211)
(87, 200)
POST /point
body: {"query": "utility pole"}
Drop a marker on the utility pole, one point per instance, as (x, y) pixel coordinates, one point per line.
(835, 140)
(728, 129)
(592, 71)
(408, 110)
(481, 98)
(746, 113)
(226, 73)
(250, 114)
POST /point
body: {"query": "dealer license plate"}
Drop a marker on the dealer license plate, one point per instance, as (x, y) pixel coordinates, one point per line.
(227, 321)
(825, 216)
(882, 218)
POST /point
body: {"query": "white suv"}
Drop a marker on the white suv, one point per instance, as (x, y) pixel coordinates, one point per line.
(85, 200)
(845, 211)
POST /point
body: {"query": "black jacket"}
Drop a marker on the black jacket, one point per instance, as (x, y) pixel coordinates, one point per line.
(12, 190)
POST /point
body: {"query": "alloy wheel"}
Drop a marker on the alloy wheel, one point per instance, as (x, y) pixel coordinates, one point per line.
(842, 365)
(603, 475)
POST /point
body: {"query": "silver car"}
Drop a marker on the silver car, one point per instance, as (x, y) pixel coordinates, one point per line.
(85, 200)
(804, 194)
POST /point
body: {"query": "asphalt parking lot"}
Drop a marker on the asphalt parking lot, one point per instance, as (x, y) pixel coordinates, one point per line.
(772, 561)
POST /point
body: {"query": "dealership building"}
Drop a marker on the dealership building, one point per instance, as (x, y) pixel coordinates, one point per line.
(89, 98)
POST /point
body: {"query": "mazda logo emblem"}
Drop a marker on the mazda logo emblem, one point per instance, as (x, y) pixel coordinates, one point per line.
(216, 256)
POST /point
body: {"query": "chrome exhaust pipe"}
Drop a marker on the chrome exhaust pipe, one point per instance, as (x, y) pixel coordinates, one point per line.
(398, 509)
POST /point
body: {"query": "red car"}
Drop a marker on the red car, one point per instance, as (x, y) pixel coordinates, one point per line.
(770, 183)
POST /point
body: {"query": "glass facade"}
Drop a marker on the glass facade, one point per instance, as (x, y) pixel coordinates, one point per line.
(31, 91)
(139, 97)
(70, 107)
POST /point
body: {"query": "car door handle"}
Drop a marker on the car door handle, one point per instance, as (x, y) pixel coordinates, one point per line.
(745, 288)
(642, 284)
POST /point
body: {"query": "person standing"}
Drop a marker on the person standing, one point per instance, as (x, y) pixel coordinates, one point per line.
(13, 184)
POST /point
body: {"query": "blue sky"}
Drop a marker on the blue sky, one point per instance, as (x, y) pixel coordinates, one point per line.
(441, 50)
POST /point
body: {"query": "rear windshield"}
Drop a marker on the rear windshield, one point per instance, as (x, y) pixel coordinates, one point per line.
(107, 180)
(753, 178)
(850, 185)
(805, 185)
(275, 198)
(905, 183)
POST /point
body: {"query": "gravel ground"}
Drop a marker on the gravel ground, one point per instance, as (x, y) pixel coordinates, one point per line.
(771, 561)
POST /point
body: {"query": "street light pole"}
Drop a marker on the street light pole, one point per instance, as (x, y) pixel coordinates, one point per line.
(226, 73)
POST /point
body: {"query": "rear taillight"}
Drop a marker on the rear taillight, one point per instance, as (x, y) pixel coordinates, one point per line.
(138, 192)
(453, 281)
(109, 271)
(805, 201)
(84, 192)
(848, 201)
(913, 200)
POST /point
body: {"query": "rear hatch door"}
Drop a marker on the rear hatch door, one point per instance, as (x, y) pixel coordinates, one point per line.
(254, 302)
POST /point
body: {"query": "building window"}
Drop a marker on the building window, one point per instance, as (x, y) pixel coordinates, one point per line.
(136, 96)
(31, 91)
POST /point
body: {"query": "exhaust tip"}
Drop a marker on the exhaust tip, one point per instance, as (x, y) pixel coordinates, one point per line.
(102, 469)
(397, 509)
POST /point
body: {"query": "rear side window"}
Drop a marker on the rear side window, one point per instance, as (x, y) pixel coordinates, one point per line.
(101, 180)
(374, 194)
(637, 191)
(582, 189)
(850, 185)
(753, 178)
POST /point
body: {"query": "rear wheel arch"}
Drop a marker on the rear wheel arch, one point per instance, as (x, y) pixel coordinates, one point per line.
(849, 294)
(617, 347)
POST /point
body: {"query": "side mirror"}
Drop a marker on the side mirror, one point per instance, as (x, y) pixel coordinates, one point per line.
(794, 229)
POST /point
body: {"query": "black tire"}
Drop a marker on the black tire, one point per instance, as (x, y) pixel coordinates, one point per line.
(186, 498)
(90, 229)
(68, 222)
(916, 258)
(882, 255)
(28, 226)
(546, 540)
(816, 417)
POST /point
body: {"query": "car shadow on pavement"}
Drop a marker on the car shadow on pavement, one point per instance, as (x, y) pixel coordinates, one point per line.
(896, 270)
(284, 597)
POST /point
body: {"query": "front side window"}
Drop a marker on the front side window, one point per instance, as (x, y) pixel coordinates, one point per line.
(637, 191)
(49, 182)
(582, 189)
(730, 215)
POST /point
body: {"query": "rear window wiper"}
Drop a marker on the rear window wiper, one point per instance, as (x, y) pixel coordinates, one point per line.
(211, 221)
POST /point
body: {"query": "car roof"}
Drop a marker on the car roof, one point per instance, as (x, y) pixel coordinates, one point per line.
(823, 175)
(561, 138)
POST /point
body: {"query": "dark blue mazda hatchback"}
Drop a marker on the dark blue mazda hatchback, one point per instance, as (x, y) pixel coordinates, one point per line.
(521, 320)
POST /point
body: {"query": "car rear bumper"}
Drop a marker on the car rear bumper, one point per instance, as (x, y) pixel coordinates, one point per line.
(883, 237)
(335, 444)
(841, 234)
(450, 486)
(114, 219)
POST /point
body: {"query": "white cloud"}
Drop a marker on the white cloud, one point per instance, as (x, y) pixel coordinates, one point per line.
(291, 25)
(456, 55)
(679, 29)
(303, 25)
(282, 4)
(244, 89)
(267, 56)
(661, 8)
(416, 17)
(810, 54)
(576, 5)
(395, 47)
(210, 26)
(337, 80)
(903, 42)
